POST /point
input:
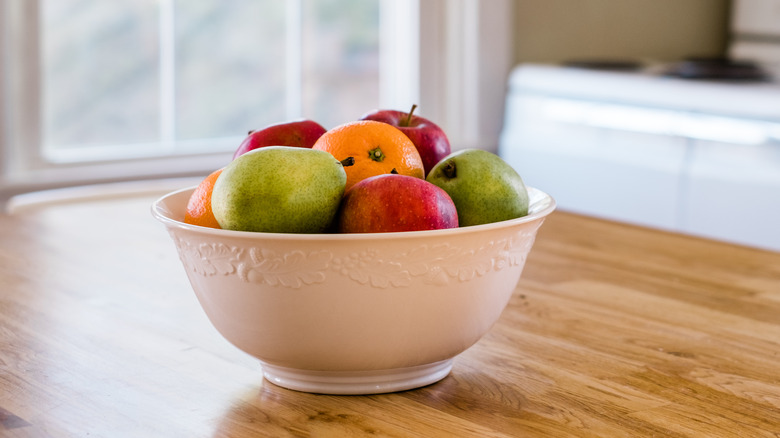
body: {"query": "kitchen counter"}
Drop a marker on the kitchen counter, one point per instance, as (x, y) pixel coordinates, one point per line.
(614, 330)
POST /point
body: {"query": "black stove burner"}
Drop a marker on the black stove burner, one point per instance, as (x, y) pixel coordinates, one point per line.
(717, 69)
(604, 64)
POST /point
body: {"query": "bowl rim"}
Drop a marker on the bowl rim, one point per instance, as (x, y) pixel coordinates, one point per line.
(541, 205)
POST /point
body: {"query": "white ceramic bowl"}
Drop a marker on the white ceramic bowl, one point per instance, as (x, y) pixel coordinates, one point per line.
(354, 313)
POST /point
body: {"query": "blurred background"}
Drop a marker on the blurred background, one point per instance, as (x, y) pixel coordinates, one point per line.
(663, 114)
(644, 100)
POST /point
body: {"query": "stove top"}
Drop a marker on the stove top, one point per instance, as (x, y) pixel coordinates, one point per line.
(653, 86)
(718, 69)
(694, 68)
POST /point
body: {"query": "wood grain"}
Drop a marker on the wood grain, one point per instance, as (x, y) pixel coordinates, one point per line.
(614, 330)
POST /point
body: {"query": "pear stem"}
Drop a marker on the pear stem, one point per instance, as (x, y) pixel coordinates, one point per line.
(409, 117)
(450, 170)
(346, 162)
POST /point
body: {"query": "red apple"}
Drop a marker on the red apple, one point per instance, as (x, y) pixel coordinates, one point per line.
(429, 138)
(392, 202)
(296, 133)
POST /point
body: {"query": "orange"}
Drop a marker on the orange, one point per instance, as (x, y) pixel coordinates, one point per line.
(199, 206)
(376, 147)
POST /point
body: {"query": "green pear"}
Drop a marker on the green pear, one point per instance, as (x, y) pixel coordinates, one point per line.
(483, 186)
(279, 189)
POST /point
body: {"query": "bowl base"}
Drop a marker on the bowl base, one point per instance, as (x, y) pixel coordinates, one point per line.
(357, 382)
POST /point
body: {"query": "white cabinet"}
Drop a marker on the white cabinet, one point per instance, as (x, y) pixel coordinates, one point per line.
(636, 148)
(732, 192)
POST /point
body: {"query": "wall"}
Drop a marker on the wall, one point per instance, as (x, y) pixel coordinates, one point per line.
(645, 30)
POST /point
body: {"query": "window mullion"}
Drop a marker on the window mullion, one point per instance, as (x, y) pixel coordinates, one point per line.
(23, 128)
(294, 59)
(167, 72)
(399, 54)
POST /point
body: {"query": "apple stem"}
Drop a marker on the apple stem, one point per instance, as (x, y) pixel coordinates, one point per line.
(394, 172)
(250, 132)
(346, 162)
(449, 170)
(409, 117)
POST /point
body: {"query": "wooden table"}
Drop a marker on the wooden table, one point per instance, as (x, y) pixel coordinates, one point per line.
(614, 330)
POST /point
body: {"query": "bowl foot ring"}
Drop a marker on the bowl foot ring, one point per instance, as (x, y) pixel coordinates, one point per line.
(357, 382)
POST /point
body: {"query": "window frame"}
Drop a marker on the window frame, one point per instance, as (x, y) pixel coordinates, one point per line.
(451, 57)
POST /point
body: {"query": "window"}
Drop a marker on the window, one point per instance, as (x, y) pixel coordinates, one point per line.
(98, 91)
(132, 78)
